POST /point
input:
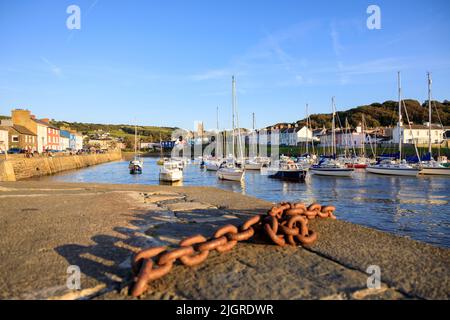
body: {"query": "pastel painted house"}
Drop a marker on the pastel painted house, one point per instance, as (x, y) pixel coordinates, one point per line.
(64, 140)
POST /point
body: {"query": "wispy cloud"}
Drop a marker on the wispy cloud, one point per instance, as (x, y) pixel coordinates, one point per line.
(211, 75)
(53, 68)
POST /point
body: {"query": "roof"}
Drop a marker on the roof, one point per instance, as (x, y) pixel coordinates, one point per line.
(45, 124)
(23, 130)
(423, 127)
(64, 134)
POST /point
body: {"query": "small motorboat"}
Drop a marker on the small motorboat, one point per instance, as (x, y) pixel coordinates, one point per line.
(170, 172)
(287, 170)
(135, 166)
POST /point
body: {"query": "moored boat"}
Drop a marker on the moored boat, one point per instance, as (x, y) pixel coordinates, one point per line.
(389, 167)
(170, 172)
(290, 171)
(329, 167)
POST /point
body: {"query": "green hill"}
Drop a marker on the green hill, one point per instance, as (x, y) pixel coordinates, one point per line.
(384, 114)
(125, 131)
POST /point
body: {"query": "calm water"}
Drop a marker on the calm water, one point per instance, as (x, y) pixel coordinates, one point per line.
(414, 207)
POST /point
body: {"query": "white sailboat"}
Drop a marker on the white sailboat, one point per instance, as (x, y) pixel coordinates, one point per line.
(255, 161)
(432, 167)
(229, 170)
(331, 167)
(393, 168)
(136, 165)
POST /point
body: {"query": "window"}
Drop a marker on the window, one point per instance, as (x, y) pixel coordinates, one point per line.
(15, 138)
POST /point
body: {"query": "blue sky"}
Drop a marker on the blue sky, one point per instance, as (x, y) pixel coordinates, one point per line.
(170, 62)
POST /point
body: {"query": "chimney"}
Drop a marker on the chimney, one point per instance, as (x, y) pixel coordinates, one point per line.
(46, 120)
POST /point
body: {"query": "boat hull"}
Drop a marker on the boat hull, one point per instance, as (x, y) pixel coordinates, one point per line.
(171, 176)
(436, 171)
(393, 171)
(211, 167)
(332, 172)
(230, 175)
(299, 175)
(253, 166)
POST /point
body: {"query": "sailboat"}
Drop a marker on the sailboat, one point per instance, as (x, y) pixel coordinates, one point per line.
(255, 162)
(229, 170)
(390, 167)
(329, 166)
(136, 165)
(213, 164)
(431, 166)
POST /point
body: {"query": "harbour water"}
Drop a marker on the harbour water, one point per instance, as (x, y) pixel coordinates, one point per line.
(417, 208)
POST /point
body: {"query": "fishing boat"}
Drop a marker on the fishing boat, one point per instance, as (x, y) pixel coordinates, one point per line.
(287, 170)
(136, 165)
(329, 166)
(229, 170)
(431, 166)
(391, 167)
(170, 172)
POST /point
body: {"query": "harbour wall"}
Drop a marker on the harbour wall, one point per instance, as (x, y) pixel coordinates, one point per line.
(19, 168)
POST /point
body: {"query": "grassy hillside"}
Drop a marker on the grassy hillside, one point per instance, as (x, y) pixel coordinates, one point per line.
(146, 133)
(384, 114)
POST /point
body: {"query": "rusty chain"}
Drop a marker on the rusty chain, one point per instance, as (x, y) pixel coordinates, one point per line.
(286, 223)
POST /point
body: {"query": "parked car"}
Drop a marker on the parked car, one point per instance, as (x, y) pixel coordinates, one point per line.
(16, 151)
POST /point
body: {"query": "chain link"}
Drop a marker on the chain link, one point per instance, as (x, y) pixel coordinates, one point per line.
(286, 223)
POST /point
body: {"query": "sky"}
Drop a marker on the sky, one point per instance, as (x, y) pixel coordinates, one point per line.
(170, 62)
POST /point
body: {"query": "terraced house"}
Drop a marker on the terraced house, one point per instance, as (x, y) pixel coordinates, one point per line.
(22, 138)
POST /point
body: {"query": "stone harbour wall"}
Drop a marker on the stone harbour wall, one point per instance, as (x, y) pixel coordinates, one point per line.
(23, 168)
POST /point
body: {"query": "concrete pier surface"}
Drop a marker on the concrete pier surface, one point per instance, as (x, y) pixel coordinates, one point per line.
(47, 227)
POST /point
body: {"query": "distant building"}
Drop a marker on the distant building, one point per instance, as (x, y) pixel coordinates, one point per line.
(4, 139)
(303, 135)
(22, 138)
(64, 140)
(419, 134)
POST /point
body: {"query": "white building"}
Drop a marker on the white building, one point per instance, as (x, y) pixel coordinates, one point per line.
(419, 134)
(4, 141)
(78, 141)
(42, 128)
(303, 135)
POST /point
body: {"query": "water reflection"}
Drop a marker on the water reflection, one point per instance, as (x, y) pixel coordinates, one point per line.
(413, 207)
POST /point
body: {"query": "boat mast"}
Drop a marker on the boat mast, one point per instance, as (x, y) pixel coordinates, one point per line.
(233, 101)
(218, 133)
(399, 125)
(429, 114)
(363, 141)
(307, 129)
(333, 128)
(135, 140)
